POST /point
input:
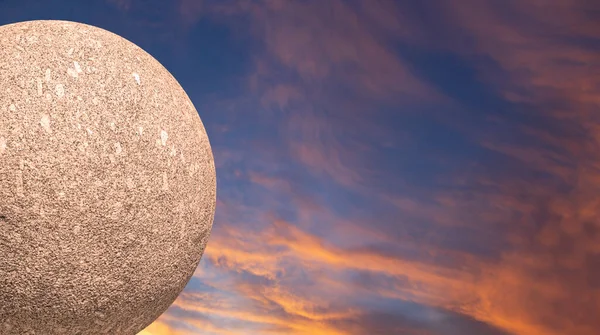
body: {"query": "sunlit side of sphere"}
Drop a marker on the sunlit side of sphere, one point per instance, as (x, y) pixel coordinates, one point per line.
(107, 182)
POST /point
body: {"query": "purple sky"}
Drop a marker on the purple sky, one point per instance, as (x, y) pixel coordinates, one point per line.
(384, 167)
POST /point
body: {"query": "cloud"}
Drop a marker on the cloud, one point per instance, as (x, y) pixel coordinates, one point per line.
(161, 328)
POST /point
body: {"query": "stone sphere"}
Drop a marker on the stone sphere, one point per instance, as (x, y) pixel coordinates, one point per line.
(107, 182)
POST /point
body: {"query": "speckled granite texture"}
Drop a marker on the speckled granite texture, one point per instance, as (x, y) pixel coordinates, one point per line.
(107, 182)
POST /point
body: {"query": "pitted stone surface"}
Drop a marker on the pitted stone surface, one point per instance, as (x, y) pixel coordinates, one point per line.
(107, 182)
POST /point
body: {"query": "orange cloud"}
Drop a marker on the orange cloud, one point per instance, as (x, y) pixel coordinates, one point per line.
(160, 328)
(511, 293)
(292, 325)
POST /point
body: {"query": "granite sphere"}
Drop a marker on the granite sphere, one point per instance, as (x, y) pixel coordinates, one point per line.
(107, 182)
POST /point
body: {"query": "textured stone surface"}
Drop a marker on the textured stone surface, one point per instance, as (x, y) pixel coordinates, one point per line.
(107, 182)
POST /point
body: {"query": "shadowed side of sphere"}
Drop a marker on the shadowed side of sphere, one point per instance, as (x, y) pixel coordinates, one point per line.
(107, 182)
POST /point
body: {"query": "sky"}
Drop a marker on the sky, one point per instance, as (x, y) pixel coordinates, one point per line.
(384, 167)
